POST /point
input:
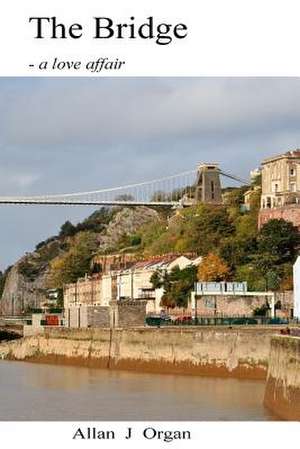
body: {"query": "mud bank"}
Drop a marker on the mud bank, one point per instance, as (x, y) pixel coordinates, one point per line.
(282, 394)
(237, 352)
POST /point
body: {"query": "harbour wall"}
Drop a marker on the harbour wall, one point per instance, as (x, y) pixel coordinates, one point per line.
(282, 394)
(241, 352)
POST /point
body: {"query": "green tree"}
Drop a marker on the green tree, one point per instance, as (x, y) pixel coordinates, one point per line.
(262, 310)
(201, 229)
(246, 226)
(157, 279)
(177, 285)
(67, 229)
(97, 221)
(150, 233)
(280, 239)
(249, 273)
(237, 251)
(272, 280)
(234, 197)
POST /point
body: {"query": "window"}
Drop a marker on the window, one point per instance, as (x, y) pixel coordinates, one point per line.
(209, 303)
(292, 172)
(293, 187)
(212, 186)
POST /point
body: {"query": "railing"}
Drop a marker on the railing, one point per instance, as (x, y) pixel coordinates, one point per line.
(216, 321)
(211, 288)
(146, 295)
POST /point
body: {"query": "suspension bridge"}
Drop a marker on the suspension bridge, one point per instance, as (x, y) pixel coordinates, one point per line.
(181, 190)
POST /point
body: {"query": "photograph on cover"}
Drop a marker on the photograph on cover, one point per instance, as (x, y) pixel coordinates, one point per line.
(149, 249)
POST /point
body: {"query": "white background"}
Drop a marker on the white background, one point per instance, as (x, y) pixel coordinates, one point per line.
(205, 435)
(226, 37)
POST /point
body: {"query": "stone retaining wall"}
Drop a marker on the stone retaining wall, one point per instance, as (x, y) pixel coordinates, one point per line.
(282, 393)
(237, 352)
(243, 305)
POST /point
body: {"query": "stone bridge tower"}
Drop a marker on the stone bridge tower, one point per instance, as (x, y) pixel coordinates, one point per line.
(208, 185)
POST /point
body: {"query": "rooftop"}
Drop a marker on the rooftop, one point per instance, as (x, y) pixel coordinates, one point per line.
(293, 154)
(157, 261)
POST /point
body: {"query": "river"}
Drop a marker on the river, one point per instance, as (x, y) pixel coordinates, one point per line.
(31, 391)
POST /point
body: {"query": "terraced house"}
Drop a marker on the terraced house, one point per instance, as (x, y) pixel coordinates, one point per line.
(130, 281)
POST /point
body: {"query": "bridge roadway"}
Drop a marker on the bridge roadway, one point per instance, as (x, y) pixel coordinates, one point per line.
(173, 204)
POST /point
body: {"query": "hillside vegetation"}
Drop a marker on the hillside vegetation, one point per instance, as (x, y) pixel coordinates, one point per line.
(262, 258)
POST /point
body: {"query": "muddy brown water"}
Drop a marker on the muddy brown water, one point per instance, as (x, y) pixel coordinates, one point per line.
(31, 391)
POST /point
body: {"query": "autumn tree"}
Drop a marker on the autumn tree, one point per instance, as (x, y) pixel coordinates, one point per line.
(213, 269)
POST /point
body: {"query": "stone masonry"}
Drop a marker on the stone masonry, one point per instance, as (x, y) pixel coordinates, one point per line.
(288, 213)
(239, 305)
(118, 314)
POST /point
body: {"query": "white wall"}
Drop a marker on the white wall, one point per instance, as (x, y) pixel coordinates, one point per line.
(297, 288)
(181, 262)
(106, 290)
(140, 279)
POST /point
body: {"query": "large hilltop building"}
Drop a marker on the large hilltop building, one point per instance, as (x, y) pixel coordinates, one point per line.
(281, 188)
(281, 180)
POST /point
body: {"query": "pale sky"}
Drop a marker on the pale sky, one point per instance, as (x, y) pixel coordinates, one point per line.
(64, 135)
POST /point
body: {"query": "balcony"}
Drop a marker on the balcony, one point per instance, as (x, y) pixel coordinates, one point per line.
(146, 293)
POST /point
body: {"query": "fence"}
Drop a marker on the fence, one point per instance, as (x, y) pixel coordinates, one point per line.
(216, 321)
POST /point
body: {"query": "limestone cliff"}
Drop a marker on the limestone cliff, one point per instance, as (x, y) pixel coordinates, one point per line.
(26, 283)
(126, 221)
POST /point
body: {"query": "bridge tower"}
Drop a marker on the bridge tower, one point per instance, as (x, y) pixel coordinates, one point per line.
(208, 185)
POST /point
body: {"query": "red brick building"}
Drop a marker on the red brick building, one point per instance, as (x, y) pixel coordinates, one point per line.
(288, 213)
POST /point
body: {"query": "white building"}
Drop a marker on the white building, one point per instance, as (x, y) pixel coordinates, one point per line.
(297, 288)
(281, 180)
(130, 283)
(136, 283)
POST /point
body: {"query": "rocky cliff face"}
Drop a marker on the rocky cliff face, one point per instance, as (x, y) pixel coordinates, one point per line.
(127, 221)
(26, 283)
(21, 292)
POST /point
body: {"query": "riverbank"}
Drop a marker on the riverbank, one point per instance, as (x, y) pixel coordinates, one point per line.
(240, 352)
